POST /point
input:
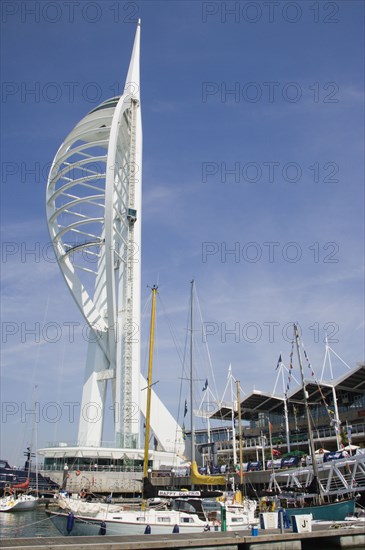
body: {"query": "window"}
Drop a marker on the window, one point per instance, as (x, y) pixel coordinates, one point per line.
(163, 519)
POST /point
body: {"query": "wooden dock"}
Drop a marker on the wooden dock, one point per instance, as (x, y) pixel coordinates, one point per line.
(353, 537)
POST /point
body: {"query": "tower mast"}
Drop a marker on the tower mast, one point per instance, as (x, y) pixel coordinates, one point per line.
(94, 217)
(94, 214)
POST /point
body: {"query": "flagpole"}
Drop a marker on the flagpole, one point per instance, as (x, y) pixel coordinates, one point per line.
(334, 397)
(191, 377)
(208, 419)
(286, 417)
(287, 424)
(337, 417)
(270, 436)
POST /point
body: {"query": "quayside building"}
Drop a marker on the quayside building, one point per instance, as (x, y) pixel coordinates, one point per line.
(337, 410)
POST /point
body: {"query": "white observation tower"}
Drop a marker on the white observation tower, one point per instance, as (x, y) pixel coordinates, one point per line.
(94, 196)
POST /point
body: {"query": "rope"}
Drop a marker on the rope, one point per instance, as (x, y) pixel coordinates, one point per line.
(181, 355)
(206, 343)
(331, 414)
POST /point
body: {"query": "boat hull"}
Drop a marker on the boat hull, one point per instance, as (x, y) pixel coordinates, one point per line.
(21, 504)
(88, 526)
(336, 511)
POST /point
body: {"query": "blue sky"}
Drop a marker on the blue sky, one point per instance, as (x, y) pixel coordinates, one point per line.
(293, 133)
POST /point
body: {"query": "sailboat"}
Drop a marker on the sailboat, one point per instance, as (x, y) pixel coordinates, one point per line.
(18, 500)
(314, 502)
(18, 503)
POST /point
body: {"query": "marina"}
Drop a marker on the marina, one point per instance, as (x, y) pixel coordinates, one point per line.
(151, 454)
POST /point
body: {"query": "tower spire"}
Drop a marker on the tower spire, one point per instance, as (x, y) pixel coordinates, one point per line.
(132, 82)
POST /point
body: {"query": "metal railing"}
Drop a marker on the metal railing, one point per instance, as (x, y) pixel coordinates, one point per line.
(300, 438)
(87, 468)
(65, 444)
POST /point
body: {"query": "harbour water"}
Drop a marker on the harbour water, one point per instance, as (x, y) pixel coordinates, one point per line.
(33, 523)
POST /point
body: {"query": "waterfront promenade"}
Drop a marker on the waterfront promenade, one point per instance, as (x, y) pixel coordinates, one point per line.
(353, 537)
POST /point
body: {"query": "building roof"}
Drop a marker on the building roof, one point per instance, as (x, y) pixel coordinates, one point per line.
(260, 402)
(257, 401)
(352, 381)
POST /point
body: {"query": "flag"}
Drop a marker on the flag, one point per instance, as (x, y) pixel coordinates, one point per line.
(205, 385)
(185, 408)
(279, 362)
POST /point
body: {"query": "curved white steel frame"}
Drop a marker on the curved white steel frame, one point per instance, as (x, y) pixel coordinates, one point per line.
(94, 194)
(94, 182)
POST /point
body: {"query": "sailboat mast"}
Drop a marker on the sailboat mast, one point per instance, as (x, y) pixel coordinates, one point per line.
(239, 428)
(305, 394)
(233, 423)
(149, 382)
(286, 416)
(191, 373)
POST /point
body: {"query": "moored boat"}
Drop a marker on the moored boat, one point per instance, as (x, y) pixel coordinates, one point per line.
(18, 503)
(11, 475)
(334, 511)
(321, 511)
(184, 515)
